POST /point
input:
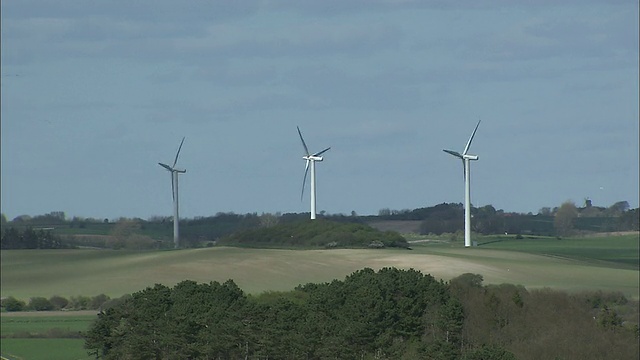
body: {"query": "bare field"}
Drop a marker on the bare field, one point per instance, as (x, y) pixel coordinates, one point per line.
(91, 272)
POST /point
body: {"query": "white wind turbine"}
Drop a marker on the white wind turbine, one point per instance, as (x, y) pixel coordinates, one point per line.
(311, 163)
(466, 158)
(174, 192)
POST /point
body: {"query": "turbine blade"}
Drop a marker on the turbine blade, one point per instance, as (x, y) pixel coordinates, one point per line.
(321, 152)
(454, 153)
(466, 148)
(166, 166)
(464, 171)
(178, 153)
(306, 150)
(304, 179)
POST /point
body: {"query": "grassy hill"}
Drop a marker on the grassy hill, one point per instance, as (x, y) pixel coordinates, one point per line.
(571, 265)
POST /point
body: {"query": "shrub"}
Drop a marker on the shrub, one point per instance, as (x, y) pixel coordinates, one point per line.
(600, 299)
(79, 302)
(97, 301)
(115, 302)
(316, 233)
(13, 304)
(376, 244)
(58, 302)
(331, 245)
(40, 304)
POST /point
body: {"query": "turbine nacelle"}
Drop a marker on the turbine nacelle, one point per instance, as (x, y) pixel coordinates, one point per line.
(170, 169)
(312, 158)
(461, 156)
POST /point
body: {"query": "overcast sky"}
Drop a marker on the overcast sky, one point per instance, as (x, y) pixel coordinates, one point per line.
(96, 93)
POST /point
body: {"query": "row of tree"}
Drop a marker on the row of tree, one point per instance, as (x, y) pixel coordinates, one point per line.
(389, 314)
(440, 211)
(156, 232)
(446, 210)
(54, 303)
(29, 238)
(568, 219)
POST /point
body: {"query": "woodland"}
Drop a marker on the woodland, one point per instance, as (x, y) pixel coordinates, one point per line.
(389, 314)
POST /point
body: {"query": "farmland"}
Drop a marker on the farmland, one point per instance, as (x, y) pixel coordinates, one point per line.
(607, 263)
(572, 264)
(44, 349)
(37, 335)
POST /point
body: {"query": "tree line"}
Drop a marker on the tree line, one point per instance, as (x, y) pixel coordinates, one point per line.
(55, 303)
(29, 238)
(388, 314)
(156, 232)
(565, 220)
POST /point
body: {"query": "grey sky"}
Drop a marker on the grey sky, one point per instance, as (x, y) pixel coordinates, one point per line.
(95, 94)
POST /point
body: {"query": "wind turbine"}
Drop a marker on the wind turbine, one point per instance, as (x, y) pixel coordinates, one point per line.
(311, 163)
(466, 159)
(174, 193)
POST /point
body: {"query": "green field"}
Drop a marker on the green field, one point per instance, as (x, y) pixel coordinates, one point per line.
(43, 349)
(32, 335)
(609, 263)
(618, 251)
(36, 323)
(574, 264)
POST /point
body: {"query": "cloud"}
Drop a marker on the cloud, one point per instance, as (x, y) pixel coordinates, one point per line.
(350, 7)
(570, 38)
(155, 11)
(387, 84)
(187, 37)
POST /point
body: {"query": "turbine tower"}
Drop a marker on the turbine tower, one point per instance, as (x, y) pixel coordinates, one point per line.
(311, 163)
(174, 193)
(466, 161)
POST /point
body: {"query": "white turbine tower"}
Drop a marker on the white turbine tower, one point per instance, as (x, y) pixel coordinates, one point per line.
(174, 192)
(311, 163)
(466, 161)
